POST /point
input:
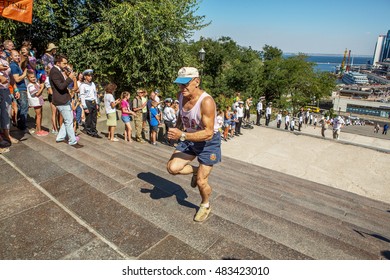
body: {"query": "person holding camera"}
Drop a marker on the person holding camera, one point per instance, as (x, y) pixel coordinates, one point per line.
(60, 78)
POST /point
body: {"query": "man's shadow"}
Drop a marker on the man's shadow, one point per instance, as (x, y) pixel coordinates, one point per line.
(163, 188)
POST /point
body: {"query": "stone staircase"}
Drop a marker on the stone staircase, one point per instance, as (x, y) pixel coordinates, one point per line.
(111, 200)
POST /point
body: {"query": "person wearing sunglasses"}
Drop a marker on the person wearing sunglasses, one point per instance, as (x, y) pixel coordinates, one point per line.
(197, 130)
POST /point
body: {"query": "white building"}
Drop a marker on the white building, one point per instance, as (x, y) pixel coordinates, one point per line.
(378, 50)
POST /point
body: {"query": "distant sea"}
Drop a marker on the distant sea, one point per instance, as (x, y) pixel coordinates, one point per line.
(328, 63)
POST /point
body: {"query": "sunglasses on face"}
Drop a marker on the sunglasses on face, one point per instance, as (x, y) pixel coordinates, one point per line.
(187, 84)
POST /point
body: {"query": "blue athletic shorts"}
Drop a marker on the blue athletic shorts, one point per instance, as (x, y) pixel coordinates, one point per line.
(154, 128)
(208, 152)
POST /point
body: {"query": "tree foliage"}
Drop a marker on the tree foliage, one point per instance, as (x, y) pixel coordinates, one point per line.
(136, 45)
(142, 43)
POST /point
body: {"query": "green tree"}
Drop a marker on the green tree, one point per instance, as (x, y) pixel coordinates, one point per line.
(54, 20)
(270, 53)
(136, 44)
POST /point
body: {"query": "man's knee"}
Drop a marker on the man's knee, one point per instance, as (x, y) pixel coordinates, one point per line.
(172, 168)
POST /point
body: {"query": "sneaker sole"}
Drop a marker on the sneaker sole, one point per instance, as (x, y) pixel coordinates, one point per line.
(193, 181)
(205, 219)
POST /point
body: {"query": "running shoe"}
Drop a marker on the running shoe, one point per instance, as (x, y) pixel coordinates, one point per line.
(202, 214)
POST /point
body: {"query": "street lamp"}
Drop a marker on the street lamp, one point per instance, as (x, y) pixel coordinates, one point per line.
(202, 55)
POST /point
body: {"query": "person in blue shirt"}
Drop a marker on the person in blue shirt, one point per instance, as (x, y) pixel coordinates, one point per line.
(19, 75)
(154, 122)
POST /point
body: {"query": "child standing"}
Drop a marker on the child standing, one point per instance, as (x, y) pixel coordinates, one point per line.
(109, 105)
(126, 115)
(35, 100)
(154, 122)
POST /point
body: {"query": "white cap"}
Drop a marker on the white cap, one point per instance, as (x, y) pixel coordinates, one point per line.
(186, 74)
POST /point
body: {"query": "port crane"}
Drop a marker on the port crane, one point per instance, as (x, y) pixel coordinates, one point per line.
(343, 62)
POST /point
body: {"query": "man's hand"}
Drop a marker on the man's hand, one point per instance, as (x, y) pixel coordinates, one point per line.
(174, 133)
(72, 76)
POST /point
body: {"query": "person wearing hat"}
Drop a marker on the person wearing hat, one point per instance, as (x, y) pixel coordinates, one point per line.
(137, 106)
(197, 130)
(48, 56)
(89, 102)
(169, 117)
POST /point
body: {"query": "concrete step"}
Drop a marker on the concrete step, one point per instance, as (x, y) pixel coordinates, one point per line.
(300, 238)
(70, 191)
(123, 191)
(277, 197)
(164, 188)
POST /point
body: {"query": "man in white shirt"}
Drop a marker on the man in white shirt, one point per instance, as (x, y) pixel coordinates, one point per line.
(287, 121)
(268, 112)
(279, 119)
(89, 101)
(259, 109)
(338, 122)
(240, 116)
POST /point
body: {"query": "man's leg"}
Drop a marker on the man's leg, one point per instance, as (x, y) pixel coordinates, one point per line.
(203, 182)
(88, 118)
(205, 192)
(94, 114)
(22, 110)
(67, 126)
(179, 164)
(138, 127)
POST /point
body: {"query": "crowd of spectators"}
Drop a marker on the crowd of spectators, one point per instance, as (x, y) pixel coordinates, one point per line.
(74, 98)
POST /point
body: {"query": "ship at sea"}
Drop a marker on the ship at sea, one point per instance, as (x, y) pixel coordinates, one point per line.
(355, 78)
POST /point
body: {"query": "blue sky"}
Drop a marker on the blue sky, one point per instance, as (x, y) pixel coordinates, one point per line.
(316, 26)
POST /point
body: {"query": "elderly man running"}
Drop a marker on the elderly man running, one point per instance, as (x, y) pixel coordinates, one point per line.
(199, 137)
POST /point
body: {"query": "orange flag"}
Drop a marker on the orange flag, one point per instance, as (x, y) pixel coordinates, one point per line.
(20, 10)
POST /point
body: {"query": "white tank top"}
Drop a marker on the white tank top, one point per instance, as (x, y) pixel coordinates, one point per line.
(191, 119)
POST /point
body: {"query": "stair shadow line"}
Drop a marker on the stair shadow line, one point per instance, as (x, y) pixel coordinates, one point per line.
(163, 188)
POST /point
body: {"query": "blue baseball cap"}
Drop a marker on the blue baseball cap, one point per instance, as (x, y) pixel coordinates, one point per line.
(87, 72)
